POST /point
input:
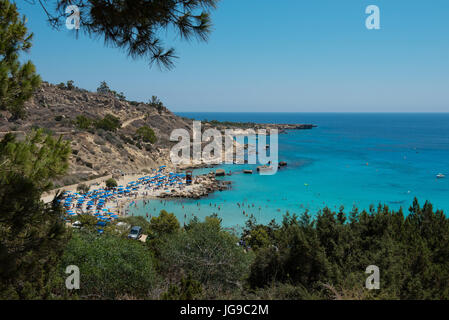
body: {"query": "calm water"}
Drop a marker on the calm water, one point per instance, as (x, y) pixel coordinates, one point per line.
(349, 159)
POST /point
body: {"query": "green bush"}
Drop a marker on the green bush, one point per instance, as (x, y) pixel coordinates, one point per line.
(165, 224)
(82, 122)
(87, 221)
(146, 134)
(110, 267)
(111, 183)
(108, 123)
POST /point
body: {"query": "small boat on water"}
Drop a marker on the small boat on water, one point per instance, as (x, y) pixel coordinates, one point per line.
(440, 176)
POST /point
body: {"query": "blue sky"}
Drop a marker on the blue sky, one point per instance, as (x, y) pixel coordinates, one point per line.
(272, 56)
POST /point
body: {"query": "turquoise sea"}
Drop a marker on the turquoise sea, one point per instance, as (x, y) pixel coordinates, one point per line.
(349, 159)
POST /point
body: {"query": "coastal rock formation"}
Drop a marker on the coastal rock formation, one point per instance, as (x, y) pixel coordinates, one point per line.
(220, 173)
(202, 187)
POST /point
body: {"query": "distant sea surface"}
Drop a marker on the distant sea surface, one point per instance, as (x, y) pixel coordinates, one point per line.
(350, 159)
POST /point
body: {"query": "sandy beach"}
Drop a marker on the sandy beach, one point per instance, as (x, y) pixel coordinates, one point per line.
(109, 204)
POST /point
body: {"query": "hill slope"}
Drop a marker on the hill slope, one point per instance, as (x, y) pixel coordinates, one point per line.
(95, 151)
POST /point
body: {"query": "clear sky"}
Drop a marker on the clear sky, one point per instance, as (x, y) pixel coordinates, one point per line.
(272, 56)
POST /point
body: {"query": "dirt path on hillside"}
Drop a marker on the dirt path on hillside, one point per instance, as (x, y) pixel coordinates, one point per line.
(128, 122)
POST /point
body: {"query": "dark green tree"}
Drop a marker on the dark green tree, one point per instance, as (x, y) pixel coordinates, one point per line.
(70, 85)
(17, 81)
(32, 234)
(156, 103)
(165, 224)
(103, 88)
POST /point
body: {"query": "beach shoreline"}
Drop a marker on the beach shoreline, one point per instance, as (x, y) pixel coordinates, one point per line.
(107, 203)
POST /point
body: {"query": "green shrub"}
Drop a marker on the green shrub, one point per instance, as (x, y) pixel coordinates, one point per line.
(110, 267)
(108, 123)
(87, 220)
(111, 183)
(82, 122)
(146, 134)
(165, 224)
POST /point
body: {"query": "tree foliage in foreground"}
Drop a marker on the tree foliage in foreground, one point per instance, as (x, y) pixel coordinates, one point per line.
(188, 289)
(17, 81)
(136, 25)
(110, 267)
(328, 255)
(206, 252)
(32, 234)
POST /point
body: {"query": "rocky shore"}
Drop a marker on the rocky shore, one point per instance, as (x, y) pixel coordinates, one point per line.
(201, 187)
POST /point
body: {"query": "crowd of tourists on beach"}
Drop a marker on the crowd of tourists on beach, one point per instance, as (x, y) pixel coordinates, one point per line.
(104, 203)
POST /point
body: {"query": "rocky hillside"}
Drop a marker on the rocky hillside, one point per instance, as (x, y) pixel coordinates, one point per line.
(103, 130)
(97, 151)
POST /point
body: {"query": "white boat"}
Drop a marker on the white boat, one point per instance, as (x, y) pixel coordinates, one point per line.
(440, 176)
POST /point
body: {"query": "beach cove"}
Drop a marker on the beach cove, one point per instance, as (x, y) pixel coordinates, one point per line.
(348, 160)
